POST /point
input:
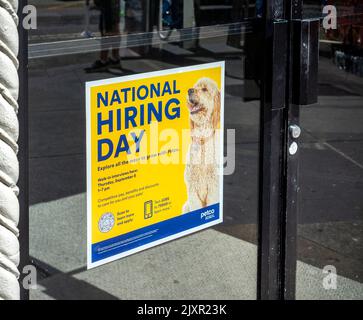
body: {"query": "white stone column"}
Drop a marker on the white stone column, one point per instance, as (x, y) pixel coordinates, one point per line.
(9, 166)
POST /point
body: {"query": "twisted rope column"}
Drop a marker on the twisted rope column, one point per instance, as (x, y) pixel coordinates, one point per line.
(9, 166)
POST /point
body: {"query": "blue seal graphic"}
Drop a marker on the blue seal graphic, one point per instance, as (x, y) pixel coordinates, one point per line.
(106, 222)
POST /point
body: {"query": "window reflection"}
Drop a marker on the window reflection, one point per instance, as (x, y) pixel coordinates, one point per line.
(58, 70)
(63, 20)
(331, 219)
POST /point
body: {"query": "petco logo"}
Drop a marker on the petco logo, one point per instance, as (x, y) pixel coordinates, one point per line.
(206, 215)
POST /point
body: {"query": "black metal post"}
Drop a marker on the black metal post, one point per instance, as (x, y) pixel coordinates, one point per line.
(272, 154)
(23, 149)
(290, 81)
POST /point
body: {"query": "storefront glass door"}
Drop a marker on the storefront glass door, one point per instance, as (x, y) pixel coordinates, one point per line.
(76, 43)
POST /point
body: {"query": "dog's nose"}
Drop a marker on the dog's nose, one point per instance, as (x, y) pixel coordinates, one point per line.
(190, 91)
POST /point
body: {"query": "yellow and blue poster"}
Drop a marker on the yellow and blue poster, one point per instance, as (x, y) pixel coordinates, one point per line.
(154, 158)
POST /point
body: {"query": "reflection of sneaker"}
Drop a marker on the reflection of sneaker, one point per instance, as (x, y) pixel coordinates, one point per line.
(114, 66)
(87, 34)
(97, 66)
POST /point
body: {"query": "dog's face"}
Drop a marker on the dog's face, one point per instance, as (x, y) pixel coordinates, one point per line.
(204, 103)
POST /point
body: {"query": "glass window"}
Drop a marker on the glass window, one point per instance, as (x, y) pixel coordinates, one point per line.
(78, 41)
(331, 168)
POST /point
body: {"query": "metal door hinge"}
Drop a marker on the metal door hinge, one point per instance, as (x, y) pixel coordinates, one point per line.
(305, 50)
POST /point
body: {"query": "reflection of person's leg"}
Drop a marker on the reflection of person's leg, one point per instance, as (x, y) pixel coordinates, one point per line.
(115, 58)
(104, 56)
(113, 29)
(197, 18)
(103, 30)
(109, 26)
(234, 40)
(115, 53)
(104, 48)
(102, 63)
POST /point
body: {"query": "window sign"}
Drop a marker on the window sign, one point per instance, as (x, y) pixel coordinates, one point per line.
(154, 158)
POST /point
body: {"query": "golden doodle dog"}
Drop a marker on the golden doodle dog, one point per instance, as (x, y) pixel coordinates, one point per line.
(202, 163)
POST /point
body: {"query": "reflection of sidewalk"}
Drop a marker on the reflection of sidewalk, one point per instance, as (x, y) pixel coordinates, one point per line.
(194, 267)
(61, 20)
(331, 167)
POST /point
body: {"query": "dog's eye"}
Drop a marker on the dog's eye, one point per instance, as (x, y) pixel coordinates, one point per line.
(204, 89)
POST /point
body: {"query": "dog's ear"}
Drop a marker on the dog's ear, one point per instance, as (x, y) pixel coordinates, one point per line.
(217, 109)
(191, 125)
